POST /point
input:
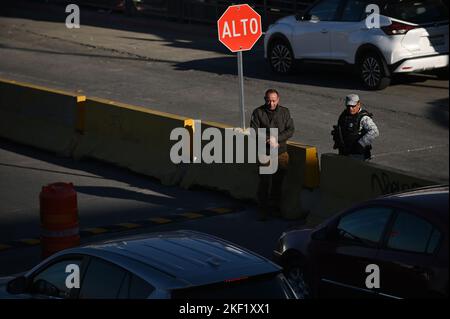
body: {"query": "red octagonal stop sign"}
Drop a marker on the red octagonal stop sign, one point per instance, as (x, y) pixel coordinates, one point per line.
(239, 27)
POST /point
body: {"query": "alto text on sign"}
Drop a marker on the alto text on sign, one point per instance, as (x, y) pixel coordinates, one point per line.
(239, 28)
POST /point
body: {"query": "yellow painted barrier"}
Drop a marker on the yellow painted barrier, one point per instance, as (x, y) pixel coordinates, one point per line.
(139, 139)
(310, 162)
(240, 180)
(38, 116)
(129, 136)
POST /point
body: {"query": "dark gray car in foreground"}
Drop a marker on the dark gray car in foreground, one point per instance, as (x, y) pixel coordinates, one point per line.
(177, 264)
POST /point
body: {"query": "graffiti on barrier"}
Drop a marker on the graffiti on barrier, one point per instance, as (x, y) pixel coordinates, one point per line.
(382, 184)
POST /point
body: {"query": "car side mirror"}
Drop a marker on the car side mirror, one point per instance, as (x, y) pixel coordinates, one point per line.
(17, 285)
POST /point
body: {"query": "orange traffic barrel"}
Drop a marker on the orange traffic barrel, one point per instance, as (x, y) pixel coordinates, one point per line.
(59, 218)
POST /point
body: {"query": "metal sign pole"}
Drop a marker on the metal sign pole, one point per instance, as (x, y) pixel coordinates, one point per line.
(241, 88)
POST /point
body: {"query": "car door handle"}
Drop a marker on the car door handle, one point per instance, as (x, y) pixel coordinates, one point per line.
(324, 31)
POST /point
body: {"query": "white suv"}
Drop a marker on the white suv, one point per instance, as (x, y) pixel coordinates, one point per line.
(412, 36)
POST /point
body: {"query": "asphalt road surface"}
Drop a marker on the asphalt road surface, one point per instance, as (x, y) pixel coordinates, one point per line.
(183, 69)
(109, 196)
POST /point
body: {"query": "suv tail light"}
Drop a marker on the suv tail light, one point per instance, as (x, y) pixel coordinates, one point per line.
(397, 28)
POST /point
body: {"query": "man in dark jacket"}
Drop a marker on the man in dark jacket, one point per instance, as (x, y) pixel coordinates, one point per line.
(273, 115)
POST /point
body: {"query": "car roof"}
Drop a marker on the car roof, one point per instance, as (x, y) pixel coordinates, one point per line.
(190, 258)
(431, 198)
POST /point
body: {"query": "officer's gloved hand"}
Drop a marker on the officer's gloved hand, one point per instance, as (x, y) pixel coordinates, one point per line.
(334, 132)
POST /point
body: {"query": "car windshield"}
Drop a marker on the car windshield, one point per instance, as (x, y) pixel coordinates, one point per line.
(269, 286)
(417, 11)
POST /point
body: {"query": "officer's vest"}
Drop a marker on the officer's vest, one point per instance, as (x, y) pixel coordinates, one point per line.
(350, 124)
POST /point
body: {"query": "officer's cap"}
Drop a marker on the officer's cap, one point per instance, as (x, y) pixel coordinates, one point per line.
(351, 100)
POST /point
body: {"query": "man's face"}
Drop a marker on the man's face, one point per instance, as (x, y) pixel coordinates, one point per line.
(354, 109)
(272, 100)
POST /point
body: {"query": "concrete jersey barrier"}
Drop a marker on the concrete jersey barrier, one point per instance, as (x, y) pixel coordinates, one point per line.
(136, 138)
(345, 181)
(38, 116)
(241, 179)
(129, 136)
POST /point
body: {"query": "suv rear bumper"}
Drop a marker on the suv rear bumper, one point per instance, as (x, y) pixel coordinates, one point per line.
(421, 64)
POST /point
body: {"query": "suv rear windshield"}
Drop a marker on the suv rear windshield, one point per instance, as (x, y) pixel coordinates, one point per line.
(269, 286)
(417, 11)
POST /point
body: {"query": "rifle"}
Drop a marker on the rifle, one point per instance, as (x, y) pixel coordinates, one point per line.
(338, 138)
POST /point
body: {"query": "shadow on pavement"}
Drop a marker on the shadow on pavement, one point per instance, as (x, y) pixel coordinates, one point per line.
(241, 227)
(439, 112)
(114, 57)
(114, 204)
(189, 36)
(199, 37)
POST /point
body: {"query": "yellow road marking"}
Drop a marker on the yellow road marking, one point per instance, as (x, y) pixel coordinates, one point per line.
(192, 215)
(96, 230)
(30, 241)
(128, 225)
(221, 210)
(160, 220)
(3, 247)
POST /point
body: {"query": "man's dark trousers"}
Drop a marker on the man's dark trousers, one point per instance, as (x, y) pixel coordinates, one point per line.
(270, 188)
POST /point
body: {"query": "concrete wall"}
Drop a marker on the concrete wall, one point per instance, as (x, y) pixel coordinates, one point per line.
(129, 136)
(38, 116)
(345, 181)
(139, 139)
(136, 138)
(241, 180)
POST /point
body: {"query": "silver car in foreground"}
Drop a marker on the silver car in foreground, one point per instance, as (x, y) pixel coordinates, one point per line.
(177, 264)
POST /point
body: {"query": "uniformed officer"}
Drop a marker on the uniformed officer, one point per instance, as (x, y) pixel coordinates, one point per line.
(355, 132)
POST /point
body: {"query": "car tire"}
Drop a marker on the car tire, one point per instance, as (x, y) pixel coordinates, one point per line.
(374, 72)
(281, 57)
(294, 271)
(130, 8)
